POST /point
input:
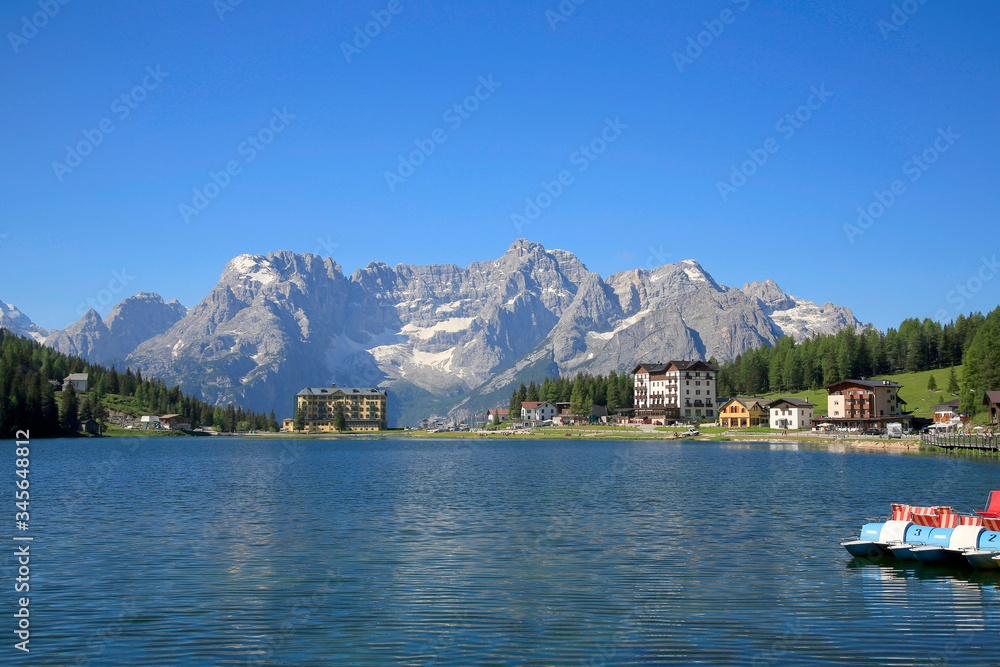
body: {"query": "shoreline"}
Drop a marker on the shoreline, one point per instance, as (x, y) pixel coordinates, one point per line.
(577, 433)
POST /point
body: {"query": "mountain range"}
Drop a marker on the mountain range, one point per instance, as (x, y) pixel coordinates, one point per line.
(440, 338)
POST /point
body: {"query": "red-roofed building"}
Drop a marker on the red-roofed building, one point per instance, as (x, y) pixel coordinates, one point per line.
(496, 415)
(534, 411)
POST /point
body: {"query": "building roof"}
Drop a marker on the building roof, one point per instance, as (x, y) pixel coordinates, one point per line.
(748, 402)
(797, 402)
(991, 397)
(534, 404)
(872, 384)
(599, 411)
(499, 411)
(346, 391)
(696, 364)
(949, 406)
(76, 377)
(171, 416)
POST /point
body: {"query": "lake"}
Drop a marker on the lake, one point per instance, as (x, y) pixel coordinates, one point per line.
(224, 551)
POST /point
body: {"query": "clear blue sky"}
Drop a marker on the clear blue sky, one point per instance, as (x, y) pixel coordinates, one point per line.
(651, 197)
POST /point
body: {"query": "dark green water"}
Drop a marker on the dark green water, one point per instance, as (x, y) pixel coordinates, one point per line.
(229, 552)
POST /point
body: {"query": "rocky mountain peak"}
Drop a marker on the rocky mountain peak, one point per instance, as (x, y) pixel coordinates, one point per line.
(769, 294)
(18, 323)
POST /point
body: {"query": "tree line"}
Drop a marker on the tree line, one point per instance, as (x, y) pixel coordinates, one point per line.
(972, 341)
(28, 371)
(582, 392)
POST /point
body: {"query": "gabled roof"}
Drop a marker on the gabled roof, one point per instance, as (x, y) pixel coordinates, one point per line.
(948, 406)
(871, 384)
(76, 377)
(991, 397)
(695, 365)
(534, 404)
(650, 368)
(749, 402)
(797, 402)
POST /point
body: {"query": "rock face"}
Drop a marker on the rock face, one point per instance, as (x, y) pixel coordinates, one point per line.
(18, 323)
(797, 318)
(443, 335)
(131, 322)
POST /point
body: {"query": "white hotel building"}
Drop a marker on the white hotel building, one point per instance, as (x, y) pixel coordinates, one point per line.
(678, 390)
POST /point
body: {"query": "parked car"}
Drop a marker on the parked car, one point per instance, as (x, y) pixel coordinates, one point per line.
(872, 431)
(692, 431)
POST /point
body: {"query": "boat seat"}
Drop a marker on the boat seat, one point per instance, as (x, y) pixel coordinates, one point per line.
(992, 506)
(901, 512)
(923, 516)
(991, 524)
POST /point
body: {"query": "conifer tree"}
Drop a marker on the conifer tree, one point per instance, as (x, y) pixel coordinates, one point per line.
(952, 381)
(68, 414)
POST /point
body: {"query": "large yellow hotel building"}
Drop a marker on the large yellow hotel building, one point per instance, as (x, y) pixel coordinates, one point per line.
(364, 409)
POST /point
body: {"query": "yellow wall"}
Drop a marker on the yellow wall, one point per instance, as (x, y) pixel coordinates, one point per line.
(319, 411)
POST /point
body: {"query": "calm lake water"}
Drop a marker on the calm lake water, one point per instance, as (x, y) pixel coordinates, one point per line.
(400, 552)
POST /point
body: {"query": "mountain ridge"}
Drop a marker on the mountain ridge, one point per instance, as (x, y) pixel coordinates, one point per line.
(440, 333)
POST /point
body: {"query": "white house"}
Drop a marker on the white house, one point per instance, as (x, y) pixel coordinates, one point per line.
(791, 413)
(78, 380)
(537, 411)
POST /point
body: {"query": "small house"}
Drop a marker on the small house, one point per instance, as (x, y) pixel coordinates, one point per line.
(745, 413)
(78, 380)
(496, 415)
(992, 401)
(950, 412)
(537, 411)
(90, 426)
(791, 413)
(175, 422)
